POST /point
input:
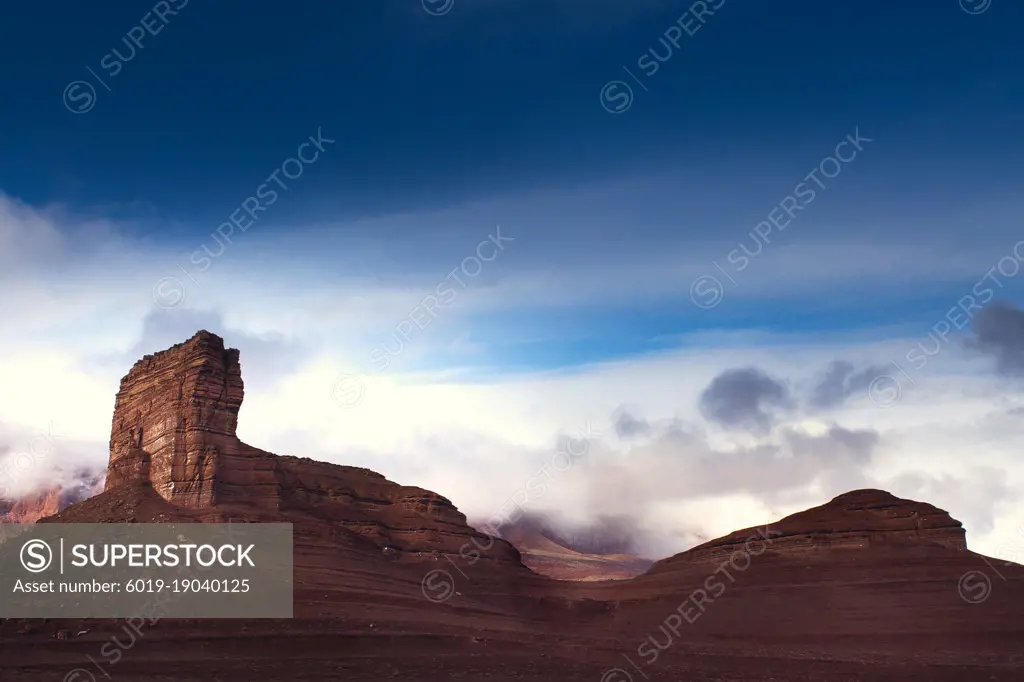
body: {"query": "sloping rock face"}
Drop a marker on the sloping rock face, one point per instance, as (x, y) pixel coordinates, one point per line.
(854, 520)
(864, 566)
(404, 518)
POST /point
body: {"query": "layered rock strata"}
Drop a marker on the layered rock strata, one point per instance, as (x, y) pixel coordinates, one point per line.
(175, 419)
(174, 429)
(855, 520)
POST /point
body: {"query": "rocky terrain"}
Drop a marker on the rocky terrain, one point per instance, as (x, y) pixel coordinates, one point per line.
(563, 556)
(392, 582)
(31, 508)
(50, 500)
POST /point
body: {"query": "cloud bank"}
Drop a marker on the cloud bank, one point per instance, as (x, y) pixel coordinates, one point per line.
(690, 435)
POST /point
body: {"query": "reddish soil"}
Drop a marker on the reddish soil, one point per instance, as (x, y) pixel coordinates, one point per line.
(886, 611)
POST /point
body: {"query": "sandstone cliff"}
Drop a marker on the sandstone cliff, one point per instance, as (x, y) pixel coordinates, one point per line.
(175, 418)
(174, 430)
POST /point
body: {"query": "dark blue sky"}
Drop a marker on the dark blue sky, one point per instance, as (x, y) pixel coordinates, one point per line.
(446, 126)
(495, 96)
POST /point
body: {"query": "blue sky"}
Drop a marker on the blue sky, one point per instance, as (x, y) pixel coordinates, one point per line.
(625, 227)
(493, 98)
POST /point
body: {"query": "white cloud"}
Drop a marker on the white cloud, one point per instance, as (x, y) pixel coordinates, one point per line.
(80, 293)
(481, 443)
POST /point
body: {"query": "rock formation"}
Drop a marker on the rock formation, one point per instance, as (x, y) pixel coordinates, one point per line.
(51, 500)
(31, 508)
(174, 429)
(175, 418)
(858, 519)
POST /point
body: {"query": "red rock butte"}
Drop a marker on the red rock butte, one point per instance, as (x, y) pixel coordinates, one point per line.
(175, 422)
(174, 431)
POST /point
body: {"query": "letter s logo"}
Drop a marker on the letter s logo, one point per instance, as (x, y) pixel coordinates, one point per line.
(36, 556)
